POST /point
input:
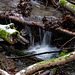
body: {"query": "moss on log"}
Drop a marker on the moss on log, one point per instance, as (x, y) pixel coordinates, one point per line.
(48, 63)
(9, 33)
(13, 51)
(67, 5)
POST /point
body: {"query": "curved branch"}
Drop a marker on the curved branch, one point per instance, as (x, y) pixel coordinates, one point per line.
(48, 63)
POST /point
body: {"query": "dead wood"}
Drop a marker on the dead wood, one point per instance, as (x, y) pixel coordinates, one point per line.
(34, 54)
(67, 42)
(7, 64)
(48, 25)
(48, 63)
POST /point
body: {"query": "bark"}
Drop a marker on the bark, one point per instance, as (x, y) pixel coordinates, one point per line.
(48, 63)
(64, 31)
(67, 5)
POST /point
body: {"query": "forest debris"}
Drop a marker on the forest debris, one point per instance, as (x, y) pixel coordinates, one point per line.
(48, 63)
(6, 64)
(52, 24)
(23, 39)
(24, 8)
(34, 54)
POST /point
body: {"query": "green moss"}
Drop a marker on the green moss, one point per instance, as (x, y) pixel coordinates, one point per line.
(54, 70)
(63, 53)
(14, 51)
(73, 6)
(4, 34)
(53, 60)
(62, 2)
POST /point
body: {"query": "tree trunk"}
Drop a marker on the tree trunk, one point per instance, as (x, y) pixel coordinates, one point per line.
(48, 63)
(67, 5)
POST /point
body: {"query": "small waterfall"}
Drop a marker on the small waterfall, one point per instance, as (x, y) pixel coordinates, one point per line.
(46, 38)
(45, 46)
(30, 35)
(40, 34)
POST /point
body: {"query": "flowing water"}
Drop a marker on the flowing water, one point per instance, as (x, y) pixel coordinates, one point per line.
(43, 46)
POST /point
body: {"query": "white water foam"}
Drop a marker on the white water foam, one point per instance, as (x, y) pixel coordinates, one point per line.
(44, 47)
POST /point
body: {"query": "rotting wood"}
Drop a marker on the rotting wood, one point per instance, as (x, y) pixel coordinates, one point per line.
(48, 63)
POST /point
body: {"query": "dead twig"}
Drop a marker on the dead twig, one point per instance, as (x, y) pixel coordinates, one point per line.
(67, 42)
(34, 54)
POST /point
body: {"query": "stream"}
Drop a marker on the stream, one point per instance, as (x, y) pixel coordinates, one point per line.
(38, 9)
(44, 45)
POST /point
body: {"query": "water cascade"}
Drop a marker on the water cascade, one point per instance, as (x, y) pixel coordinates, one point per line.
(43, 46)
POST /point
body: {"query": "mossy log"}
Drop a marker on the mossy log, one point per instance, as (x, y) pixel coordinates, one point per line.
(67, 5)
(13, 51)
(9, 33)
(48, 63)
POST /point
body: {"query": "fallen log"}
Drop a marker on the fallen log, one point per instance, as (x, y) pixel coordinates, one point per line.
(38, 24)
(67, 5)
(2, 72)
(10, 34)
(66, 32)
(10, 50)
(33, 54)
(48, 63)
